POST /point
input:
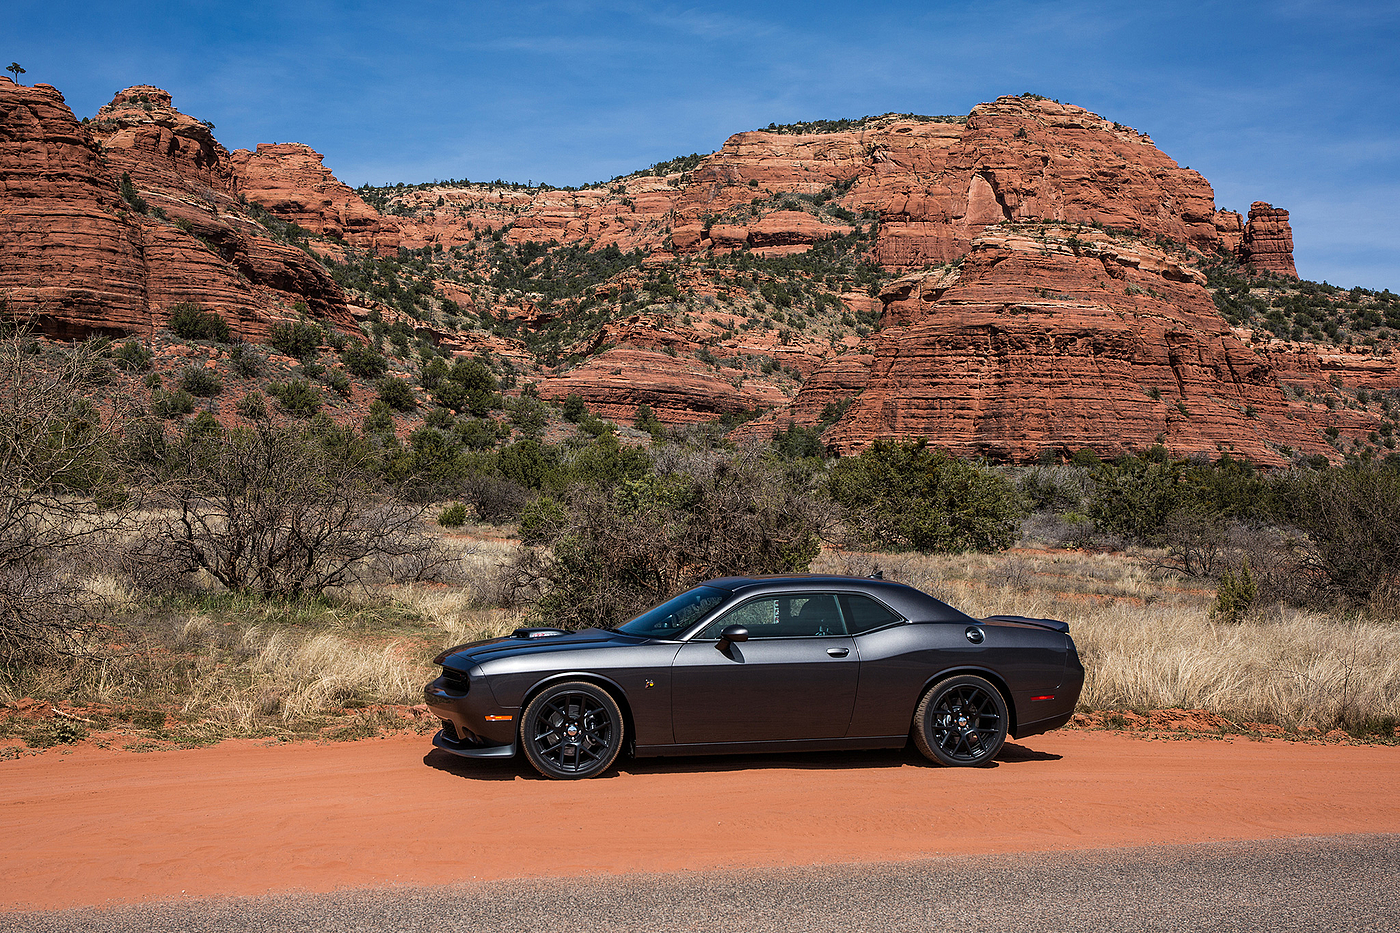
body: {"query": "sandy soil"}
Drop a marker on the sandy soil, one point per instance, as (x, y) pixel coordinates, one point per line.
(96, 826)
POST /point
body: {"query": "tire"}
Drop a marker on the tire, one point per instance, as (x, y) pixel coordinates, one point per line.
(961, 722)
(572, 730)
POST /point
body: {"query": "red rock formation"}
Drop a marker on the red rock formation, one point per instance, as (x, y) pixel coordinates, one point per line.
(1056, 338)
(290, 180)
(79, 258)
(70, 254)
(1268, 240)
(167, 153)
(934, 186)
(1230, 225)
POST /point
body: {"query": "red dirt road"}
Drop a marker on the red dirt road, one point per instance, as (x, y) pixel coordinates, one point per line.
(95, 827)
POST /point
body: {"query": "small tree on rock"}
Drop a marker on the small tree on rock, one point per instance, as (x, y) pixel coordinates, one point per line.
(15, 69)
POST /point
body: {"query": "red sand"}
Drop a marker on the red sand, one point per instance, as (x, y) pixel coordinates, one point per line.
(95, 826)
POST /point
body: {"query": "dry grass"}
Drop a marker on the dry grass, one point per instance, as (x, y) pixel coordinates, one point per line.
(1148, 642)
(204, 667)
(200, 667)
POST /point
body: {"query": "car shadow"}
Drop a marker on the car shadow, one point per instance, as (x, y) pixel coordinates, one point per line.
(510, 769)
(1013, 754)
(480, 769)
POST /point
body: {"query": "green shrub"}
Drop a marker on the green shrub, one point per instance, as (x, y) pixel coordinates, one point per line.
(252, 406)
(469, 386)
(380, 418)
(299, 340)
(133, 357)
(646, 420)
(201, 382)
(171, 404)
(440, 418)
(191, 322)
(1237, 592)
(798, 442)
(397, 394)
(130, 196)
(296, 397)
(56, 732)
(363, 360)
(574, 410)
(529, 414)
(454, 516)
(338, 382)
(909, 497)
(609, 553)
(476, 434)
(1351, 516)
(1134, 495)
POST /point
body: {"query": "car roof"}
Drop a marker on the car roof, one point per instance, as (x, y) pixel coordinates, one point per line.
(909, 602)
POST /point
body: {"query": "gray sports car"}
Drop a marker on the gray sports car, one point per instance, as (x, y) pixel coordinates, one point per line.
(760, 664)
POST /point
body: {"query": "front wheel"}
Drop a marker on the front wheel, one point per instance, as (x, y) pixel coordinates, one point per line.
(572, 730)
(961, 722)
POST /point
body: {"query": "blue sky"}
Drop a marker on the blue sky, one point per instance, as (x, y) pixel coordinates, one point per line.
(1293, 102)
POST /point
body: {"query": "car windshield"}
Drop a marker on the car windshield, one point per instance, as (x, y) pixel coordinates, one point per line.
(676, 615)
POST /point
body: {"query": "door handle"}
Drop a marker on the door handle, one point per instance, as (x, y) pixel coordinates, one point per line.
(838, 652)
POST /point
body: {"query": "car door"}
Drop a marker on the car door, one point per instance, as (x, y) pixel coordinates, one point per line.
(794, 678)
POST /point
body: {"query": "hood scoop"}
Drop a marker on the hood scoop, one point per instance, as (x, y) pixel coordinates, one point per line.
(530, 634)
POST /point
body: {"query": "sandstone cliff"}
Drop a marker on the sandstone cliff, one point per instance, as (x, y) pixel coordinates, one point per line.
(79, 256)
(1055, 338)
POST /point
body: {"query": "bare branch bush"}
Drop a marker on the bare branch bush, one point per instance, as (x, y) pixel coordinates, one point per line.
(61, 492)
(1351, 518)
(285, 511)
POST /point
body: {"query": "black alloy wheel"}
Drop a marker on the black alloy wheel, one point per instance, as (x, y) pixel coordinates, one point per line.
(572, 730)
(961, 722)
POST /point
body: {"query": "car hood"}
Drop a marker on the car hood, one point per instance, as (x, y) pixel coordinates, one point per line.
(463, 656)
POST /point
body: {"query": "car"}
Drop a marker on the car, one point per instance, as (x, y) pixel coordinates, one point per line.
(760, 664)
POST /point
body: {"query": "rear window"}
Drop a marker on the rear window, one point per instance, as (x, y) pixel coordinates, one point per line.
(864, 614)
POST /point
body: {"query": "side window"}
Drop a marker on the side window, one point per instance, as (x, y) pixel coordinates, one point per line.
(864, 614)
(803, 615)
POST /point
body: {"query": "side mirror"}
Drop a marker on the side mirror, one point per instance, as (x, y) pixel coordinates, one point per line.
(730, 634)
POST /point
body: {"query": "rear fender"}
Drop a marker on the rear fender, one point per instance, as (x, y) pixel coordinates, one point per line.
(980, 672)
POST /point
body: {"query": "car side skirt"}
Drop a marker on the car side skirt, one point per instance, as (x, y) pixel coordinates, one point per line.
(793, 745)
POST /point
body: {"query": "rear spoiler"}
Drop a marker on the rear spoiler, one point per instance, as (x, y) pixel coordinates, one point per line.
(1055, 625)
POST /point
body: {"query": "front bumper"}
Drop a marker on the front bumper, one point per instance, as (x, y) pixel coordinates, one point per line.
(467, 750)
(471, 719)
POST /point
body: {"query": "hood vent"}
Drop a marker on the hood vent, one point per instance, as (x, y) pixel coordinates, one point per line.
(532, 633)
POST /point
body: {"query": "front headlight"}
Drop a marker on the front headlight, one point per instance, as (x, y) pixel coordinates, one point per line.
(455, 680)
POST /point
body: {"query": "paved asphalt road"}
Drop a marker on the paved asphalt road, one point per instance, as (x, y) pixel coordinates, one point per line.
(1320, 883)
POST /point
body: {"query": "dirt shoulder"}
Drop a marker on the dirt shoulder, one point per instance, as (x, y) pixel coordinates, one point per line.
(99, 826)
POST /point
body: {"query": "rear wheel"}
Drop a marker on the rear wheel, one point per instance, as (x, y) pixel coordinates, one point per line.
(572, 730)
(961, 722)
